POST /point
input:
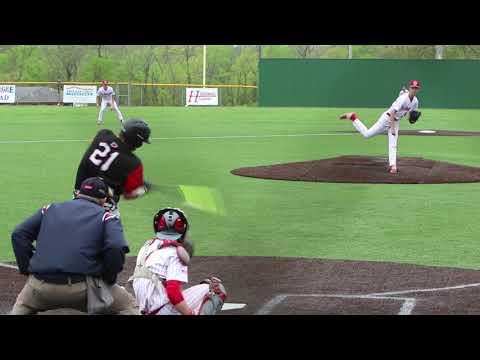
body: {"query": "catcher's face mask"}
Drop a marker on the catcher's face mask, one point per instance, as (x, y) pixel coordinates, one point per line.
(170, 224)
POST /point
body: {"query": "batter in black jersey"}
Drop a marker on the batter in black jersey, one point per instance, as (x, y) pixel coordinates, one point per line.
(111, 157)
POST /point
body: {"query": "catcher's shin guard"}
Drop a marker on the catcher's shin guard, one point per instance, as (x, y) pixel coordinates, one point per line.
(212, 304)
(213, 301)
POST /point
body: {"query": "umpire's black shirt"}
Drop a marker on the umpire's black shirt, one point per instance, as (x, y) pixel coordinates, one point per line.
(76, 237)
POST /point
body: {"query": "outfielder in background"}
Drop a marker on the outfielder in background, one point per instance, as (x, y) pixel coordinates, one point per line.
(406, 103)
(162, 267)
(107, 95)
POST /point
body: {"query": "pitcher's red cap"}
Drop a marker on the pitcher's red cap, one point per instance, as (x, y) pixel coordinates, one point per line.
(415, 84)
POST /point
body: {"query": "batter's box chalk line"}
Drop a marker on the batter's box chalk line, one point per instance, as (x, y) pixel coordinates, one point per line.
(8, 266)
(407, 307)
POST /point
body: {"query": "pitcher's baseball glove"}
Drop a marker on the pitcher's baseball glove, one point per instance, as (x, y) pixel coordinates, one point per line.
(413, 117)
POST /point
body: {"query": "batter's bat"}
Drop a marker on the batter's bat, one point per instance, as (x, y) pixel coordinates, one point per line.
(203, 198)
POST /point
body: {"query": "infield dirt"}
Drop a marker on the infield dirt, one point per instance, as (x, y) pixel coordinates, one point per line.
(282, 286)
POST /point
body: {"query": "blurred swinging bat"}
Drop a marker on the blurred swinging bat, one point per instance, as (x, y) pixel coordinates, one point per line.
(198, 197)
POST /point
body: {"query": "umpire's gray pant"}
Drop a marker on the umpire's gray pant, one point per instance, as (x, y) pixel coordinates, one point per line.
(38, 295)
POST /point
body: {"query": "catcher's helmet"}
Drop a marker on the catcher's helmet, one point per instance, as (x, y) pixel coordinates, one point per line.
(170, 224)
(136, 132)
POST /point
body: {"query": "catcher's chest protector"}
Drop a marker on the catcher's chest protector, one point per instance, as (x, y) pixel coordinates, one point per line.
(161, 260)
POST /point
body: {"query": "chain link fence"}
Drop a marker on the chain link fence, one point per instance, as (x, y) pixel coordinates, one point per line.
(152, 95)
(134, 94)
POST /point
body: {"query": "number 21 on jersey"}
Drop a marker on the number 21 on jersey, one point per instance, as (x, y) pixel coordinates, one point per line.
(103, 157)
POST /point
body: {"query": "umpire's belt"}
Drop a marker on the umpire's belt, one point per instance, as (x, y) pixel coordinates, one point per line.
(61, 279)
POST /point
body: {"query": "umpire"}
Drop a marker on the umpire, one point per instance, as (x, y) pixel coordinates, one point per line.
(76, 241)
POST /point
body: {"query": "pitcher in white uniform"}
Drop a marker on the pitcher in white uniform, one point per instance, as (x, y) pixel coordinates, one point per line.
(162, 267)
(107, 95)
(389, 121)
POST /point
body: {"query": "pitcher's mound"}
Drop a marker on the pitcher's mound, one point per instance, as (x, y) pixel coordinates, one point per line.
(366, 169)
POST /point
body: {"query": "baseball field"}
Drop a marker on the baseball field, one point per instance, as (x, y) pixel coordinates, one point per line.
(418, 224)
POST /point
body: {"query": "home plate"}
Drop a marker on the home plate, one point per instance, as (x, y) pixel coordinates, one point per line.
(427, 131)
(233, 306)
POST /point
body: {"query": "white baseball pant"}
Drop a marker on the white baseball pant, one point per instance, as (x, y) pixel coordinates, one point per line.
(381, 127)
(193, 296)
(103, 106)
(150, 297)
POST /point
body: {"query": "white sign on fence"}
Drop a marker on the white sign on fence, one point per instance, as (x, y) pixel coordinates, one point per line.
(80, 94)
(201, 96)
(7, 94)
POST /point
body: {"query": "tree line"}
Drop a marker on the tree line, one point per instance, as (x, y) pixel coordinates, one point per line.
(226, 64)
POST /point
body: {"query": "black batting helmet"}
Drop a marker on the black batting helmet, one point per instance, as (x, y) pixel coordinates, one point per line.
(136, 132)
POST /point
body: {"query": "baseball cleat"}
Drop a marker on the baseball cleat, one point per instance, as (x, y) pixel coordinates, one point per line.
(392, 169)
(350, 116)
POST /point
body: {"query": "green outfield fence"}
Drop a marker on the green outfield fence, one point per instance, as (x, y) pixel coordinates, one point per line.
(367, 83)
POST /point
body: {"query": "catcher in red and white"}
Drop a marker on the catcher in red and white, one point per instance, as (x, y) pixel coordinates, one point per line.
(162, 267)
(389, 121)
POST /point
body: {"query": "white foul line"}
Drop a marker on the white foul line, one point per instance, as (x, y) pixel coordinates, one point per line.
(426, 290)
(39, 141)
(8, 266)
(344, 296)
(46, 141)
(251, 136)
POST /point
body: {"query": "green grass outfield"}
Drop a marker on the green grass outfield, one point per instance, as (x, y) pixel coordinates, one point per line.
(422, 224)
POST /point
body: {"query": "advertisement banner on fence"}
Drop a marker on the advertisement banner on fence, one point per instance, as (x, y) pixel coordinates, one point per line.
(7, 94)
(201, 96)
(84, 94)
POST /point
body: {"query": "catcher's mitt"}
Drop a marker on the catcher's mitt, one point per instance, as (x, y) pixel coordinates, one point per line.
(216, 286)
(185, 249)
(189, 246)
(413, 117)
